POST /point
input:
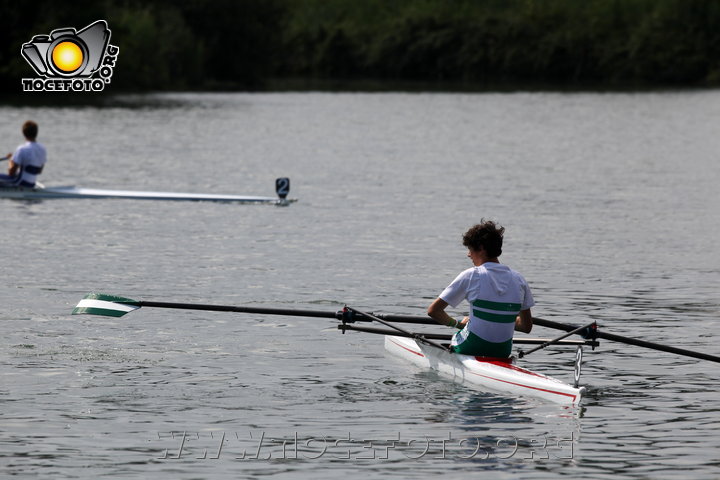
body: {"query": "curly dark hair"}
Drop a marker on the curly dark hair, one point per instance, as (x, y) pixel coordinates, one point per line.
(30, 130)
(485, 235)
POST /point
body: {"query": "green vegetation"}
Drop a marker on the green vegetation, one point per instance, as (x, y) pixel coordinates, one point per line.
(566, 42)
(248, 44)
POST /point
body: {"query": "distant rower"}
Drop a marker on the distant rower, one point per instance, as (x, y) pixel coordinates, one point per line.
(28, 160)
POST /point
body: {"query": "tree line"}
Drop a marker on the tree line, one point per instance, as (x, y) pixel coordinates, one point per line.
(256, 44)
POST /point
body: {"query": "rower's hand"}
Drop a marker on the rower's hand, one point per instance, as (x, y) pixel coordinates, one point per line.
(464, 322)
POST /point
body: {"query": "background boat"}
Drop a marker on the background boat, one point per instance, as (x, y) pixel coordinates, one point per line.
(40, 192)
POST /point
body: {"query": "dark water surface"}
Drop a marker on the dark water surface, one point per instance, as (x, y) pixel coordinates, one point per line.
(611, 207)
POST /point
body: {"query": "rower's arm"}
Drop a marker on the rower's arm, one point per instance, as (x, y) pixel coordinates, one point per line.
(523, 322)
(436, 310)
(12, 168)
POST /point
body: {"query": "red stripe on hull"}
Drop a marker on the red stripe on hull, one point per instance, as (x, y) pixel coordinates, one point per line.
(420, 354)
(523, 385)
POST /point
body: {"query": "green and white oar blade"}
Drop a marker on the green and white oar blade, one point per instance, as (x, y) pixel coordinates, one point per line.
(106, 305)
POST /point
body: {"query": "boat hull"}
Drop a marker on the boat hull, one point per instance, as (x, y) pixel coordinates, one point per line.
(490, 374)
(41, 193)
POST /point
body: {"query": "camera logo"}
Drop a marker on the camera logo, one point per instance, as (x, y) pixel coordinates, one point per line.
(71, 60)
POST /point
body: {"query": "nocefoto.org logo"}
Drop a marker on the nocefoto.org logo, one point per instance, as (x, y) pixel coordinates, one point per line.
(71, 61)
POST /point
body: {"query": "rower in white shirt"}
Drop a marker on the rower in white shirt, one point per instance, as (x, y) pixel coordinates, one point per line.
(28, 160)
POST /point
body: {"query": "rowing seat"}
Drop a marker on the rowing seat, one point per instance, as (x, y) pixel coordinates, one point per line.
(507, 360)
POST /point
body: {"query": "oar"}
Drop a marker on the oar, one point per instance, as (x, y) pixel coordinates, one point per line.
(115, 306)
(627, 340)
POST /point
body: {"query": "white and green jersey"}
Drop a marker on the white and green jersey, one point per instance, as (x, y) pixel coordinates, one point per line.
(31, 158)
(496, 294)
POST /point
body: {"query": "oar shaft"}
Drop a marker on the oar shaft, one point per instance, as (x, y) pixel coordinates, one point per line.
(233, 308)
(387, 331)
(408, 319)
(556, 325)
(285, 311)
(657, 346)
(630, 341)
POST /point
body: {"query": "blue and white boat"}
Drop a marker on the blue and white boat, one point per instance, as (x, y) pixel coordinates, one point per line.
(40, 192)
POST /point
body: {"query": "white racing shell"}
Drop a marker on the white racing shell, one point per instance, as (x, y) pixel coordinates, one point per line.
(498, 375)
